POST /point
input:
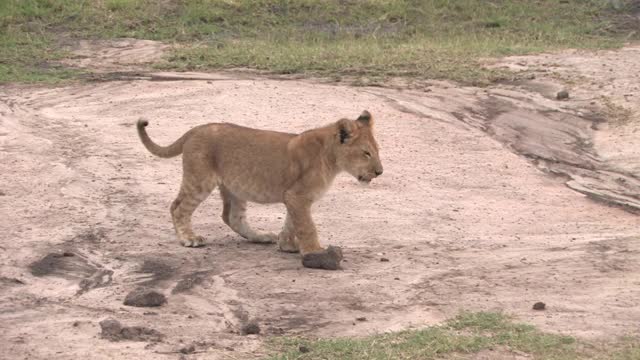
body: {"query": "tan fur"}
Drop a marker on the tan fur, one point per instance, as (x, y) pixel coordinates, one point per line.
(250, 165)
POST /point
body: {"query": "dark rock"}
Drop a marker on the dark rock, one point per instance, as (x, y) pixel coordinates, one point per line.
(384, 259)
(303, 349)
(114, 331)
(328, 259)
(189, 349)
(539, 306)
(250, 328)
(110, 327)
(145, 298)
(562, 95)
(140, 333)
(362, 318)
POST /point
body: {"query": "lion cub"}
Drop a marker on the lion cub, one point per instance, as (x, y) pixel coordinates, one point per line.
(268, 167)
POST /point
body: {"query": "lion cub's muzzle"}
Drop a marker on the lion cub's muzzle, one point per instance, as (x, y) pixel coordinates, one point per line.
(365, 179)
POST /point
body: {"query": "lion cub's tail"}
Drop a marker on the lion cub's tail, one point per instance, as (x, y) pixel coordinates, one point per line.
(172, 150)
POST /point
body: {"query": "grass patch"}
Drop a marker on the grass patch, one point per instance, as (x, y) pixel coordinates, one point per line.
(439, 39)
(29, 59)
(460, 337)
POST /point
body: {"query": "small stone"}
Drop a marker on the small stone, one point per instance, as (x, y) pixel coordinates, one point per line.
(384, 259)
(539, 306)
(114, 331)
(362, 318)
(303, 349)
(76, 323)
(110, 328)
(562, 95)
(250, 328)
(328, 259)
(190, 349)
(145, 298)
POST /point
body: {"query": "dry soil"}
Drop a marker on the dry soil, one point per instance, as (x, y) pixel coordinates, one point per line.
(472, 212)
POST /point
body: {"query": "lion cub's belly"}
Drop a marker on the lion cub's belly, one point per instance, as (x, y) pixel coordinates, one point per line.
(254, 192)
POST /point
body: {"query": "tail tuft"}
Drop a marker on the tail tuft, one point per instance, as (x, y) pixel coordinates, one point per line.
(143, 123)
(172, 150)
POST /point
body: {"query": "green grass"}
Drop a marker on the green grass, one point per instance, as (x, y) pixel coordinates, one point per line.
(26, 58)
(460, 337)
(441, 39)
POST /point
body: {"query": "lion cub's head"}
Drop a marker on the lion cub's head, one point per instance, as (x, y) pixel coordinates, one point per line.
(357, 150)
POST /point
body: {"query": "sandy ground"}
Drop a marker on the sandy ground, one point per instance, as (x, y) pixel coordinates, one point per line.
(465, 221)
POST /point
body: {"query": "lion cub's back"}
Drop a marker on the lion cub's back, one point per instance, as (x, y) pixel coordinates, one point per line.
(251, 163)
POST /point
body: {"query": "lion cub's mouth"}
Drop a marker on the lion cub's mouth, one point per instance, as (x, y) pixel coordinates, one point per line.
(364, 180)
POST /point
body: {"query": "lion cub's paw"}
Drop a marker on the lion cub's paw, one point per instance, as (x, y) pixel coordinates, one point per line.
(328, 259)
(196, 241)
(287, 247)
(267, 238)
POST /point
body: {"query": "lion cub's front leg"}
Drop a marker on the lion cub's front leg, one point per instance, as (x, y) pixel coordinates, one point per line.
(313, 255)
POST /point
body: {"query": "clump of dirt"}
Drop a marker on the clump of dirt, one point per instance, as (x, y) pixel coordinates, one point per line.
(189, 349)
(539, 306)
(114, 331)
(328, 259)
(562, 95)
(250, 328)
(145, 298)
(189, 281)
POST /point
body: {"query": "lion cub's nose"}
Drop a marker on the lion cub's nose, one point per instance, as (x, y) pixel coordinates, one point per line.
(378, 172)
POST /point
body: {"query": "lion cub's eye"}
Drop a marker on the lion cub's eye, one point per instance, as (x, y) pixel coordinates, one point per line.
(367, 154)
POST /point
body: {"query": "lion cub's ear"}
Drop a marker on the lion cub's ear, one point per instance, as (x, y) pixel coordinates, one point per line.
(365, 118)
(346, 130)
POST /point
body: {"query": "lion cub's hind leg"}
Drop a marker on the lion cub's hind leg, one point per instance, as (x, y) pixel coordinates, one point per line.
(198, 181)
(287, 241)
(234, 214)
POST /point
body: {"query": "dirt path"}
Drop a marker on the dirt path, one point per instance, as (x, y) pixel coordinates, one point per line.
(464, 221)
